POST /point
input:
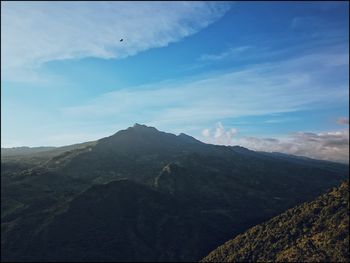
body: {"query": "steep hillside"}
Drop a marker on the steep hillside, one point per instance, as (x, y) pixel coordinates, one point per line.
(125, 221)
(317, 231)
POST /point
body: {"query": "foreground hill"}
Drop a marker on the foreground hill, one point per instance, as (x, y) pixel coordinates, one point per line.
(196, 196)
(317, 231)
(125, 221)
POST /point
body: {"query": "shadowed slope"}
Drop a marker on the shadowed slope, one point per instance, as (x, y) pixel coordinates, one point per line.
(126, 221)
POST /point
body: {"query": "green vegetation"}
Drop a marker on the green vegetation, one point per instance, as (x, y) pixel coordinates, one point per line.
(317, 231)
(142, 194)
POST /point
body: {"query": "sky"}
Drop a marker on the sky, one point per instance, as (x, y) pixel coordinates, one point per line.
(269, 76)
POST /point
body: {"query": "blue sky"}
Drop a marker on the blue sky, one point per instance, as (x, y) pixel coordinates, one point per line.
(265, 75)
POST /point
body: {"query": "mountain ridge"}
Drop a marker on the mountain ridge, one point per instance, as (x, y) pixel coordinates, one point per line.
(222, 190)
(140, 129)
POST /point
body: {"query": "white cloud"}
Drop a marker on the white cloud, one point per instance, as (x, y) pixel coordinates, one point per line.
(33, 33)
(219, 131)
(234, 131)
(206, 133)
(220, 136)
(332, 146)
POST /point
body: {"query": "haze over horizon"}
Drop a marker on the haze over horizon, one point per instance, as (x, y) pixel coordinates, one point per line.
(268, 76)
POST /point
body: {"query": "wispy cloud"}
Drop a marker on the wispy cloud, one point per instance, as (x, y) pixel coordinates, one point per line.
(280, 120)
(37, 32)
(191, 105)
(296, 84)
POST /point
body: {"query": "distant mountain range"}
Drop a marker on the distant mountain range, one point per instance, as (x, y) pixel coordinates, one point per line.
(146, 195)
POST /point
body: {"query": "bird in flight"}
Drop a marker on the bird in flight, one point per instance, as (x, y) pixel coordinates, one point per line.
(121, 40)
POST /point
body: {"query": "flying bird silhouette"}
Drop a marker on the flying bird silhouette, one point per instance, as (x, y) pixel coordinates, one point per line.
(121, 40)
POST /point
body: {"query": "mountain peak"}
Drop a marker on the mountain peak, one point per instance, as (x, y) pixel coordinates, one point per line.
(138, 126)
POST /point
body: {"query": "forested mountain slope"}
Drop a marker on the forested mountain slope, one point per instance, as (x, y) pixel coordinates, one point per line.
(203, 194)
(316, 231)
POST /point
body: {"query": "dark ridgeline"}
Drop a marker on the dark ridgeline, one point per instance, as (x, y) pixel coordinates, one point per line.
(146, 195)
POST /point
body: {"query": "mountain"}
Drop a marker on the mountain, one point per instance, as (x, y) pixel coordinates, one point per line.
(24, 150)
(124, 221)
(316, 231)
(19, 158)
(172, 197)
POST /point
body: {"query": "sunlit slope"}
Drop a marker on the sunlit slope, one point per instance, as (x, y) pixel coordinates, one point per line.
(316, 231)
